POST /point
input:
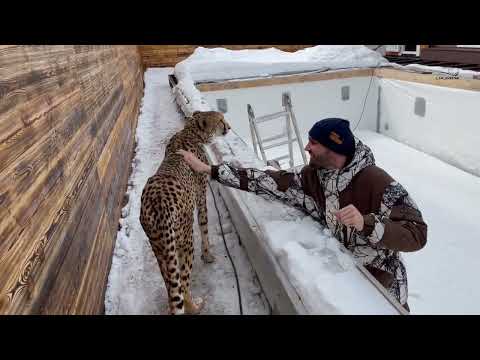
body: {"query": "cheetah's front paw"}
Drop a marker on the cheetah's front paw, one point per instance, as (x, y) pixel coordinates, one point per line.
(195, 307)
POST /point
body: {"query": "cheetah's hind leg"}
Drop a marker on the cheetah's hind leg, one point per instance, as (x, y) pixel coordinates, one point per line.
(186, 255)
(202, 216)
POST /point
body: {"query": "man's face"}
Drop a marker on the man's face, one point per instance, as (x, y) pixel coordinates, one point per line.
(320, 156)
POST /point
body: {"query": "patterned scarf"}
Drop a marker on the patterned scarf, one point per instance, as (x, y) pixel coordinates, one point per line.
(336, 180)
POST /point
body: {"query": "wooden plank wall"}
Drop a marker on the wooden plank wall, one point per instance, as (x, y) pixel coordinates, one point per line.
(170, 55)
(68, 116)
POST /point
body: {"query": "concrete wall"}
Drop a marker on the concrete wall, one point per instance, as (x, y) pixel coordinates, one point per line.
(449, 129)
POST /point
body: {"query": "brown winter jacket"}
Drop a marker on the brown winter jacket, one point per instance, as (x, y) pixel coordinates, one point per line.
(405, 229)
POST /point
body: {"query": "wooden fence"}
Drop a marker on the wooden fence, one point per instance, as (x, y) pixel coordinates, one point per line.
(170, 55)
(67, 122)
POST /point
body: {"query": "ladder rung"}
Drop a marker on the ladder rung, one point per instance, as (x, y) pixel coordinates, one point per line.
(285, 138)
(261, 119)
(274, 137)
(278, 144)
(282, 157)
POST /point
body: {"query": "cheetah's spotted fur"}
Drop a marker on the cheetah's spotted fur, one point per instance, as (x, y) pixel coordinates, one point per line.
(167, 205)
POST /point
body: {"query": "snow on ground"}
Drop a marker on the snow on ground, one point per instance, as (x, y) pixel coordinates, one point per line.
(325, 277)
(135, 285)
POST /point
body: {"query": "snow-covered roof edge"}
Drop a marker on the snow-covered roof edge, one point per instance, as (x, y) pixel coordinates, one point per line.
(220, 64)
(215, 64)
(456, 73)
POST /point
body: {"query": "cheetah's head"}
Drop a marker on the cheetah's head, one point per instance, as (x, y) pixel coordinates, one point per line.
(211, 123)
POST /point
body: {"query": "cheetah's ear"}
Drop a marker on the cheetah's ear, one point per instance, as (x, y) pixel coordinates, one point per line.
(193, 116)
(202, 123)
(201, 120)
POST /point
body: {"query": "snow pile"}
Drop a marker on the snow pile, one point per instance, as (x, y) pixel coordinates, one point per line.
(325, 277)
(189, 98)
(224, 64)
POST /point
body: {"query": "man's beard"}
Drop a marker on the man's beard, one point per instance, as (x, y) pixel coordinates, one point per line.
(320, 162)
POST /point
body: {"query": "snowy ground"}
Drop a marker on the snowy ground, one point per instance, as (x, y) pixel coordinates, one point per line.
(135, 284)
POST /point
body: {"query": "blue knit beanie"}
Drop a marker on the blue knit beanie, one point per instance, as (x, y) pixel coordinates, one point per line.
(335, 134)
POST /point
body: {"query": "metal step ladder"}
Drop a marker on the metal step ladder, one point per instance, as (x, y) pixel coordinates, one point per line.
(287, 132)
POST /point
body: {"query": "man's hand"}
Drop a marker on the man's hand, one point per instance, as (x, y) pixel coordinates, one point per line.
(195, 163)
(350, 216)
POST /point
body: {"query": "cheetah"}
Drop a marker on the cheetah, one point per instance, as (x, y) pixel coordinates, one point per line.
(167, 209)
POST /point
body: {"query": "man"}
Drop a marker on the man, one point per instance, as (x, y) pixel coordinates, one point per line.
(370, 213)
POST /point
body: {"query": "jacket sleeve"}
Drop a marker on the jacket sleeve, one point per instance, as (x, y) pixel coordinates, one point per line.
(398, 225)
(270, 185)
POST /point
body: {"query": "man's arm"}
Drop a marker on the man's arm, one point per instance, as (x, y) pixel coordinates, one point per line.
(270, 185)
(398, 225)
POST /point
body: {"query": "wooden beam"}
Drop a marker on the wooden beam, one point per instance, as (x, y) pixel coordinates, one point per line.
(428, 62)
(242, 84)
(406, 61)
(432, 79)
(465, 84)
